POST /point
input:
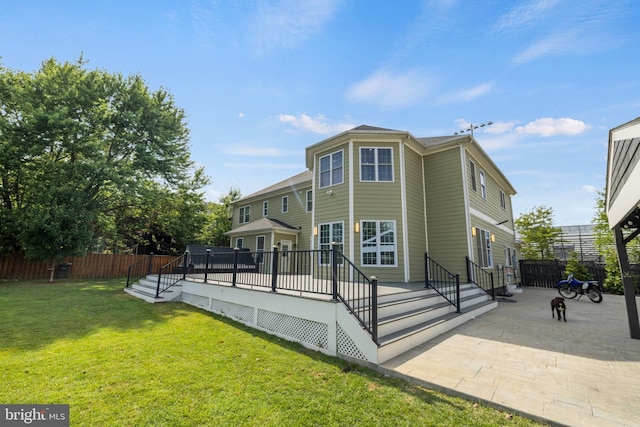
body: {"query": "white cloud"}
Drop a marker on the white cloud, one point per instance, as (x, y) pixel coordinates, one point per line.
(590, 188)
(287, 23)
(525, 15)
(391, 91)
(467, 94)
(550, 127)
(241, 115)
(318, 124)
(498, 128)
(567, 42)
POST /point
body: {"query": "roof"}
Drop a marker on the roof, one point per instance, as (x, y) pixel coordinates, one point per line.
(434, 141)
(264, 224)
(295, 181)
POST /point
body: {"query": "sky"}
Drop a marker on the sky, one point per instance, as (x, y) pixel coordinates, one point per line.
(260, 80)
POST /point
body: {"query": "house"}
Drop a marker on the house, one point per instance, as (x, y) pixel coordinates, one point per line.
(623, 204)
(386, 197)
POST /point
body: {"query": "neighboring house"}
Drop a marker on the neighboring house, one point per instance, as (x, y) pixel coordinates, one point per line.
(386, 197)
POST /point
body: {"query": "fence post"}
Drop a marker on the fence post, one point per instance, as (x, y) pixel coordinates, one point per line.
(274, 270)
(150, 263)
(426, 269)
(206, 265)
(128, 275)
(458, 304)
(235, 266)
(185, 266)
(374, 309)
(468, 269)
(334, 270)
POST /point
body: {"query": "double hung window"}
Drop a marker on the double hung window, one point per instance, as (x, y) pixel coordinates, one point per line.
(244, 214)
(483, 248)
(376, 164)
(331, 169)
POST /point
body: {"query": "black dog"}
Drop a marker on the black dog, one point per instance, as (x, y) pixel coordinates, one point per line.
(558, 305)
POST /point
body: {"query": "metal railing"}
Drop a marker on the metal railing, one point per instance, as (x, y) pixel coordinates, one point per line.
(139, 270)
(170, 274)
(442, 281)
(324, 272)
(481, 278)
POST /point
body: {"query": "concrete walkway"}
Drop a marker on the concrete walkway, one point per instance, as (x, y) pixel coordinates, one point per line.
(585, 372)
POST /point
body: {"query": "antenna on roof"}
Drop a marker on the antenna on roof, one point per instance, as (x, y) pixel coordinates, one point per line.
(472, 127)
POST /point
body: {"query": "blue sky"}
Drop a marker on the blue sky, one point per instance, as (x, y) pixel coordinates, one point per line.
(262, 79)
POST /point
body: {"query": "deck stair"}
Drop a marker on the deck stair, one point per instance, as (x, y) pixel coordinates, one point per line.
(412, 317)
(146, 287)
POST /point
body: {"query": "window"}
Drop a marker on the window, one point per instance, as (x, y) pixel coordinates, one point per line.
(331, 169)
(285, 204)
(240, 242)
(503, 200)
(376, 164)
(472, 168)
(483, 186)
(309, 200)
(245, 212)
(265, 208)
(378, 243)
(329, 233)
(483, 247)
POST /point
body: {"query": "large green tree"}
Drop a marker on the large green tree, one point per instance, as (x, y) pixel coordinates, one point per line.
(537, 233)
(219, 217)
(77, 146)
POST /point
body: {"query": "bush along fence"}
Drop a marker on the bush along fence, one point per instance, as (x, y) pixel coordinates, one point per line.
(91, 266)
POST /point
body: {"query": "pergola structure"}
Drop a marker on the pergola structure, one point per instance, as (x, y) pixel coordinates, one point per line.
(623, 204)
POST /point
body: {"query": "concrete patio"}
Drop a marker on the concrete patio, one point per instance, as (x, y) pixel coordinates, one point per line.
(585, 372)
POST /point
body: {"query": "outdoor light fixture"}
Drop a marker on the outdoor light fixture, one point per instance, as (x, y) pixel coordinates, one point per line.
(356, 227)
(493, 238)
(473, 231)
(315, 231)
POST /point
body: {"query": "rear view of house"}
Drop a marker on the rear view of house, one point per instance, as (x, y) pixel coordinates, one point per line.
(386, 198)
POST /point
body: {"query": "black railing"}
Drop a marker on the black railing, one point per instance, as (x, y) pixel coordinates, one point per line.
(481, 278)
(171, 273)
(442, 281)
(324, 272)
(139, 270)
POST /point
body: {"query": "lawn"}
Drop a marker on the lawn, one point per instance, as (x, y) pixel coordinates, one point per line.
(119, 361)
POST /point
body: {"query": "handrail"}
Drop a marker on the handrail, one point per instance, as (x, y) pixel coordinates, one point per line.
(171, 273)
(442, 281)
(139, 270)
(481, 278)
(324, 271)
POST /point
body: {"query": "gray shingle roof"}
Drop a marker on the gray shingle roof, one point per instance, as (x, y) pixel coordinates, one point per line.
(295, 181)
(263, 224)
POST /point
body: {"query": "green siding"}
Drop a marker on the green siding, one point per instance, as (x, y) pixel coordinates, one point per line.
(379, 201)
(415, 215)
(446, 219)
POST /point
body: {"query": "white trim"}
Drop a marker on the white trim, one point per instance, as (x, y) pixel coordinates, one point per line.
(424, 203)
(330, 155)
(490, 220)
(282, 204)
(467, 207)
(405, 227)
(312, 242)
(352, 234)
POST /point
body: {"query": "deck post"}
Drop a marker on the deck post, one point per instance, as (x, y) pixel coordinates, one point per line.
(458, 304)
(426, 269)
(150, 263)
(206, 265)
(235, 266)
(374, 309)
(493, 292)
(274, 270)
(334, 270)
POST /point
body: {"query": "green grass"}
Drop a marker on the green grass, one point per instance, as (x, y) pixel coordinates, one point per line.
(119, 361)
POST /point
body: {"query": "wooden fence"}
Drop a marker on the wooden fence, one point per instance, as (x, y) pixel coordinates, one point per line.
(90, 266)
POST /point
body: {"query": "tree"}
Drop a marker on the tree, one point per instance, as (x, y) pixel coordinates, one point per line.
(537, 233)
(606, 247)
(219, 220)
(76, 144)
(578, 269)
